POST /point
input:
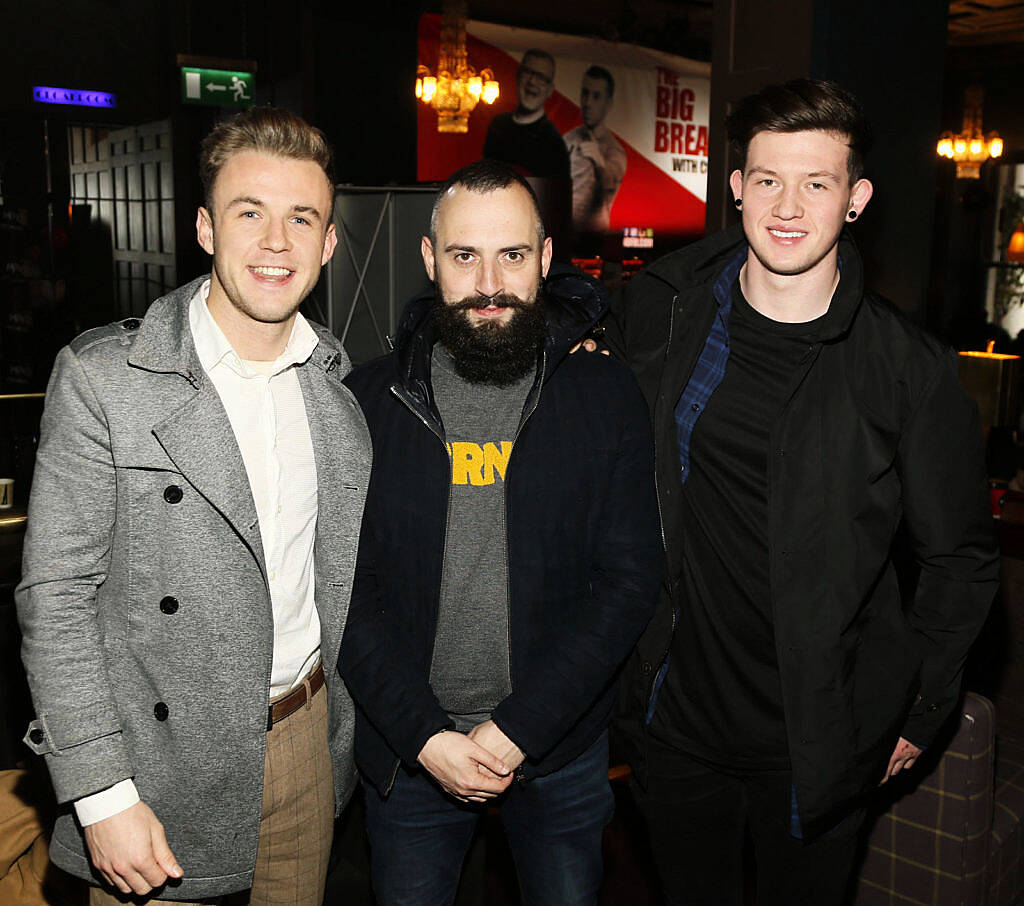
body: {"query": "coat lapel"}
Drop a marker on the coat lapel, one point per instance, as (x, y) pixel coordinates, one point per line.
(341, 450)
(197, 437)
(199, 440)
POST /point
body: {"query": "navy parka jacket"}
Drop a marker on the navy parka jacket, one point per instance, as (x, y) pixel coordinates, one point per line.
(584, 544)
(876, 430)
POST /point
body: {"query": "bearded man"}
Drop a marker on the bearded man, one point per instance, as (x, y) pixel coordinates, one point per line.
(509, 558)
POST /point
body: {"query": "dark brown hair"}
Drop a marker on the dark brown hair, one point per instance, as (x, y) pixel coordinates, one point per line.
(599, 72)
(483, 176)
(802, 105)
(265, 130)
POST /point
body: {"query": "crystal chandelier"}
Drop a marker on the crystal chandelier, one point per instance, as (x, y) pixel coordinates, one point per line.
(969, 147)
(457, 88)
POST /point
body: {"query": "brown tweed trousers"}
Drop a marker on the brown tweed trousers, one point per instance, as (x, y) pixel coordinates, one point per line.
(296, 824)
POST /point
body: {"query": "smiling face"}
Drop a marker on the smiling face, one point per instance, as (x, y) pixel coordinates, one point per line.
(487, 246)
(535, 80)
(595, 99)
(269, 232)
(796, 195)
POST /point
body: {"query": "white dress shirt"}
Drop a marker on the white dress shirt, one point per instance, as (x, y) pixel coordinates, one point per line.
(265, 407)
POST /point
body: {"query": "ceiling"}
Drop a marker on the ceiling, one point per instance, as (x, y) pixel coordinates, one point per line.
(685, 26)
(681, 27)
(973, 22)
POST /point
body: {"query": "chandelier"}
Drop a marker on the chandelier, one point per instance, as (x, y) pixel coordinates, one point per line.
(969, 147)
(457, 88)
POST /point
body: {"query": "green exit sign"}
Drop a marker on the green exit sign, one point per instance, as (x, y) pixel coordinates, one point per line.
(216, 87)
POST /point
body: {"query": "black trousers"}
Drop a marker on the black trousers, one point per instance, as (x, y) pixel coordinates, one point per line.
(697, 817)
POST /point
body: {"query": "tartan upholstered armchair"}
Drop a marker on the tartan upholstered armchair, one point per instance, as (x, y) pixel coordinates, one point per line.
(952, 837)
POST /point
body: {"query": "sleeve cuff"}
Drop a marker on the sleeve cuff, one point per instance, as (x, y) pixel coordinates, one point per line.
(106, 803)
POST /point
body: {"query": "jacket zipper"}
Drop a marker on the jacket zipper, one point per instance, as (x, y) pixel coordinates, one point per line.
(657, 489)
(395, 390)
(504, 494)
(652, 689)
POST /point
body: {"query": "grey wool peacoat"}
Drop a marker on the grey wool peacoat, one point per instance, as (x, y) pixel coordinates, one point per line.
(140, 495)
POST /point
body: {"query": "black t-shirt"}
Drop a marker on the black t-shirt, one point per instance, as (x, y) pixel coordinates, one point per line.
(535, 147)
(721, 699)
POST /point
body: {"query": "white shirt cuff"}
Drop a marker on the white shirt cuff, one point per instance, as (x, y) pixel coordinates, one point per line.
(106, 803)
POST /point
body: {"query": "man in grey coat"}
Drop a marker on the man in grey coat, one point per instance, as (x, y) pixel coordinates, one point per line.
(191, 539)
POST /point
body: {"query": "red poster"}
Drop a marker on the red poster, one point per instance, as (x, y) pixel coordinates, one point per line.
(633, 123)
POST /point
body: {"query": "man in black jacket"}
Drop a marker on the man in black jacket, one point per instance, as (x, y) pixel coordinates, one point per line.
(799, 420)
(508, 562)
(525, 137)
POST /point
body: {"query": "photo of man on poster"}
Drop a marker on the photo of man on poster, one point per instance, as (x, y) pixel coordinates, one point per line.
(610, 136)
(526, 138)
(596, 157)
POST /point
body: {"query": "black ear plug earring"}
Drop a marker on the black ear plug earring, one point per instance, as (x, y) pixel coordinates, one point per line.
(739, 203)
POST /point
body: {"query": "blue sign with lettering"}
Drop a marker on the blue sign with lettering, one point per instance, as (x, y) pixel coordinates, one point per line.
(79, 97)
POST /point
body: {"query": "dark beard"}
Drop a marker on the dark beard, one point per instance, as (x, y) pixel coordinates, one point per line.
(491, 353)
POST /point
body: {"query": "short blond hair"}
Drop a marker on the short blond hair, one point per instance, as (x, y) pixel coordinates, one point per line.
(265, 130)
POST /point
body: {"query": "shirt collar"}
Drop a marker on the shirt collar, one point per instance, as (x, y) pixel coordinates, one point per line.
(214, 348)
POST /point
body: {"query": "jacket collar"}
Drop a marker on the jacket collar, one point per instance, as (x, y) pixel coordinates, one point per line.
(573, 304)
(717, 260)
(164, 343)
(214, 348)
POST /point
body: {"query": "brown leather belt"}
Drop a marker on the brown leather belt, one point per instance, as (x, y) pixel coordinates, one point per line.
(295, 699)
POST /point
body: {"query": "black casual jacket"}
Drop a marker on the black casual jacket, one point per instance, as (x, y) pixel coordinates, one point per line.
(876, 430)
(584, 549)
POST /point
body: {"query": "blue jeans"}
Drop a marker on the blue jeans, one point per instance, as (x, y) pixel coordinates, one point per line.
(419, 835)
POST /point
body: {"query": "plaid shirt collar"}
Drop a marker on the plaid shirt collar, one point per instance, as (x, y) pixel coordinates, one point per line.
(710, 367)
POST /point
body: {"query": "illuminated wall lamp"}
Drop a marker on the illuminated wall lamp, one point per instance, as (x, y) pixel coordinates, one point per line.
(1015, 250)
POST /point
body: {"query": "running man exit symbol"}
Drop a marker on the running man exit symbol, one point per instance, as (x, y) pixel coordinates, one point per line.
(216, 87)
